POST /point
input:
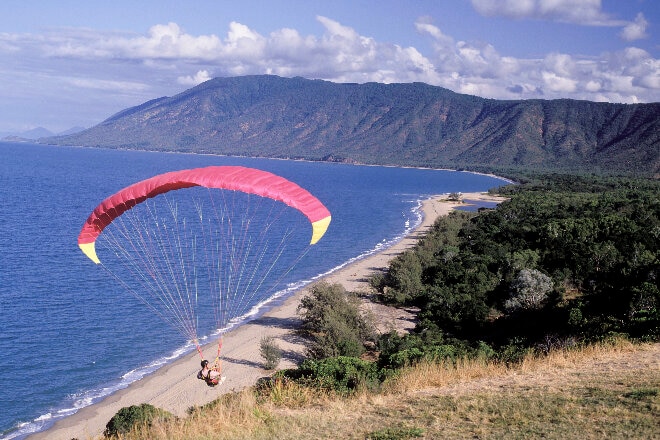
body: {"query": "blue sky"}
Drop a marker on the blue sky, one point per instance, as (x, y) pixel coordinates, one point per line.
(72, 63)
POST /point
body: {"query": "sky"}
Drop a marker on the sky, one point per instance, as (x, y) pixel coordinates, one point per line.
(70, 63)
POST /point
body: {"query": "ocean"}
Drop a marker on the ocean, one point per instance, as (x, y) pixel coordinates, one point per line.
(71, 336)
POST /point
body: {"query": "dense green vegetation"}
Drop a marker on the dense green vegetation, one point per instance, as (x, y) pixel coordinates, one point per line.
(566, 261)
(388, 124)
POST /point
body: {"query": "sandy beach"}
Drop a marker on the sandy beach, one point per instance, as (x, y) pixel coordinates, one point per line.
(175, 387)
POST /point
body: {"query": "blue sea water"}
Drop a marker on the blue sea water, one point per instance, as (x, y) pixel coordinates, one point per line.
(70, 336)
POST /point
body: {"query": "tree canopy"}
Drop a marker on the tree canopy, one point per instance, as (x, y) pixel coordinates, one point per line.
(567, 257)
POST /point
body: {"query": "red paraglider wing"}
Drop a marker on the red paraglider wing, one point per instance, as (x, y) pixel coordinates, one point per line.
(237, 178)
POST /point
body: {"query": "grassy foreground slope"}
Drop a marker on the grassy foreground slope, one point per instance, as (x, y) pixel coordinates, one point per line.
(603, 391)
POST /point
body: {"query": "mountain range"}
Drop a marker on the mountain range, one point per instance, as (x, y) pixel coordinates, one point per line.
(411, 124)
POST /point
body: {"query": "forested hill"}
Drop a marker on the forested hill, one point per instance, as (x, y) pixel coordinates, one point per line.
(396, 124)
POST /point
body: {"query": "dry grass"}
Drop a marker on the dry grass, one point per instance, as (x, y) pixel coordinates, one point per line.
(432, 375)
(600, 391)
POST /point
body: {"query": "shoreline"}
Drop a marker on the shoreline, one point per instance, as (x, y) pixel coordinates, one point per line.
(175, 388)
(417, 167)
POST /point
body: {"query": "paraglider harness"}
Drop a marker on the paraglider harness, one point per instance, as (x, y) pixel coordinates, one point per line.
(210, 381)
(217, 366)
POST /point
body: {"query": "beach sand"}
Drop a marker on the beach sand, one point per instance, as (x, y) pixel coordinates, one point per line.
(175, 387)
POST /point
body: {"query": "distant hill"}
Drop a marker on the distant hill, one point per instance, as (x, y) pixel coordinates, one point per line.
(395, 124)
(36, 133)
(28, 135)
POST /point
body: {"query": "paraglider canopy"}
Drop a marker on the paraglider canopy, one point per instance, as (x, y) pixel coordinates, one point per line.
(248, 180)
(225, 243)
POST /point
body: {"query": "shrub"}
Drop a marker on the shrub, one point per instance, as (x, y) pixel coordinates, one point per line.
(270, 352)
(342, 374)
(133, 416)
(575, 318)
(529, 291)
(455, 197)
(398, 352)
(405, 278)
(332, 318)
(485, 351)
(514, 352)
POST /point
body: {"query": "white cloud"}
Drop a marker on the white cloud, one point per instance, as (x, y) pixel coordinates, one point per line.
(580, 12)
(100, 84)
(200, 77)
(561, 64)
(7, 44)
(592, 86)
(166, 42)
(556, 83)
(425, 27)
(337, 31)
(467, 60)
(586, 12)
(635, 30)
(621, 76)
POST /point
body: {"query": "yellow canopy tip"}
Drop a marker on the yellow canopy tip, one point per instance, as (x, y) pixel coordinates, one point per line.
(89, 250)
(319, 227)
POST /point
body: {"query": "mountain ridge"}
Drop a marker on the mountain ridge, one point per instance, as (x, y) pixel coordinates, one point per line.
(413, 124)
